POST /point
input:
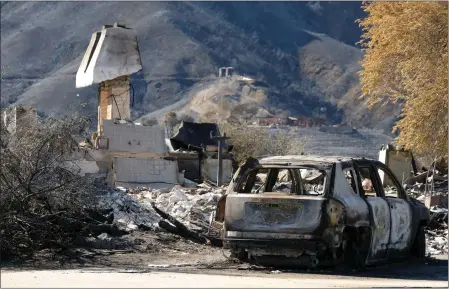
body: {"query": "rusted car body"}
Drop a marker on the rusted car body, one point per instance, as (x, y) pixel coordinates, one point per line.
(315, 210)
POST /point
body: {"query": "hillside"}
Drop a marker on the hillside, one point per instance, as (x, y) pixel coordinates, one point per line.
(302, 53)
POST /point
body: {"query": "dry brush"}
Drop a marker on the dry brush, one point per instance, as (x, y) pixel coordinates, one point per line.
(44, 201)
(252, 141)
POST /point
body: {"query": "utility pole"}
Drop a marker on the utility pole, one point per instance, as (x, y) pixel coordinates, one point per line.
(220, 140)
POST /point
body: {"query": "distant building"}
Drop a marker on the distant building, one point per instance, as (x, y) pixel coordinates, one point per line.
(225, 71)
(310, 121)
(267, 121)
(292, 121)
(17, 117)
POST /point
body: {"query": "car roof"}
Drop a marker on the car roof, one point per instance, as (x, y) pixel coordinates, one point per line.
(309, 159)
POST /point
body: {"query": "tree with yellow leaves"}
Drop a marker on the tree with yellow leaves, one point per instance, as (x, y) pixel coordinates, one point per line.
(405, 45)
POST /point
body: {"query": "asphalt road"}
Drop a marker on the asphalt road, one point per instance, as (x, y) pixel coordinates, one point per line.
(433, 274)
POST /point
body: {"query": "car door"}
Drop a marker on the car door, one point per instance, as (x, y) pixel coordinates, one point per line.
(401, 213)
(380, 222)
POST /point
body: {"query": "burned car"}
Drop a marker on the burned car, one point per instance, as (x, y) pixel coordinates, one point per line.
(320, 210)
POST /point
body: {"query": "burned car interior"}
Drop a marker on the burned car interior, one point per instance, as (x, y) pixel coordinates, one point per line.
(376, 184)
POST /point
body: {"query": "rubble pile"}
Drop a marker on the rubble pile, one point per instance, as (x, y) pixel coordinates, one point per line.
(133, 209)
(418, 190)
(437, 185)
(433, 181)
(129, 214)
(437, 231)
(193, 207)
(431, 188)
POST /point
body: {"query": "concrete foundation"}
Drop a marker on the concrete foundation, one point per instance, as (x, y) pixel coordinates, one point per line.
(132, 138)
(137, 172)
(210, 170)
(91, 160)
(190, 164)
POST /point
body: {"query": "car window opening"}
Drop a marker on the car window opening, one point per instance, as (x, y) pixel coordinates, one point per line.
(390, 188)
(349, 176)
(368, 182)
(296, 181)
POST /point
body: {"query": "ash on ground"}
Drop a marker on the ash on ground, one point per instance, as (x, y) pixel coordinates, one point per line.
(437, 231)
(133, 209)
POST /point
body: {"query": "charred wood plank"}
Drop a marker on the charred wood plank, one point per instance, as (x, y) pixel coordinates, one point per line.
(183, 231)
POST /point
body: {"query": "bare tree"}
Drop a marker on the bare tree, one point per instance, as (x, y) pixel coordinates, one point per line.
(149, 121)
(257, 141)
(171, 121)
(186, 118)
(44, 201)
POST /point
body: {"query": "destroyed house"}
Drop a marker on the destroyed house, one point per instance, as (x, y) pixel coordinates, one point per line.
(292, 121)
(128, 153)
(274, 121)
(310, 122)
(196, 151)
(193, 136)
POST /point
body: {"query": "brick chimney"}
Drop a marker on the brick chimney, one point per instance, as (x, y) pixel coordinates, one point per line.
(114, 99)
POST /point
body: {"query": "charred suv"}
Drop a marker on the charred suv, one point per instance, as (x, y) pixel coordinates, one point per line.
(316, 210)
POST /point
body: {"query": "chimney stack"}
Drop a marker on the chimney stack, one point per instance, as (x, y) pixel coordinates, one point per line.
(110, 59)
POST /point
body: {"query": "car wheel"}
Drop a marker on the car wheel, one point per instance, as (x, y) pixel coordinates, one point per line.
(239, 254)
(419, 246)
(354, 256)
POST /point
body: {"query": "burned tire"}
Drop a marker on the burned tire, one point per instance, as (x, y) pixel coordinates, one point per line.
(239, 254)
(354, 255)
(419, 246)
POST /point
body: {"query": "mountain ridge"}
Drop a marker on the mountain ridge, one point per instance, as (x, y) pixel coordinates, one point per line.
(304, 52)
